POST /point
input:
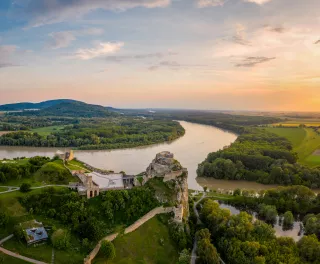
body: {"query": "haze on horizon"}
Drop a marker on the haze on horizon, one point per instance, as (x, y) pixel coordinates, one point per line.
(195, 54)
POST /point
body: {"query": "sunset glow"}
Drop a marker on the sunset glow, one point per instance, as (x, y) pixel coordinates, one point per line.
(196, 54)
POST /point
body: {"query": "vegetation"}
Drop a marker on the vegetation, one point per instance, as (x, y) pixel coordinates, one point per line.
(107, 249)
(288, 219)
(296, 199)
(150, 243)
(305, 141)
(95, 133)
(240, 240)
(206, 252)
(259, 155)
(34, 171)
(25, 187)
(41, 105)
(60, 239)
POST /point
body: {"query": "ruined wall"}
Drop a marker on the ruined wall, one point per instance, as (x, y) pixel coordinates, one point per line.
(175, 176)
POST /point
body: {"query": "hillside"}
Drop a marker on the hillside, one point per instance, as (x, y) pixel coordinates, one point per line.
(27, 105)
(70, 109)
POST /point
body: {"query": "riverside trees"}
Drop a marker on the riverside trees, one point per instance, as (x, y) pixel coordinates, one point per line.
(241, 241)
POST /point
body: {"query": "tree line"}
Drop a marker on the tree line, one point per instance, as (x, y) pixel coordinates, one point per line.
(261, 156)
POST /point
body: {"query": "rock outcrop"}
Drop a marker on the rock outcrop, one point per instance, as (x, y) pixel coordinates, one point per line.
(175, 178)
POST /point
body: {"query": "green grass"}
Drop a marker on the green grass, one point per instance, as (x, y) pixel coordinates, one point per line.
(46, 131)
(55, 173)
(3, 189)
(10, 260)
(76, 165)
(144, 246)
(305, 142)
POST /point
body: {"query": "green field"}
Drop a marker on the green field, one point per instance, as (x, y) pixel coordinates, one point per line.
(76, 165)
(46, 131)
(149, 244)
(10, 260)
(305, 142)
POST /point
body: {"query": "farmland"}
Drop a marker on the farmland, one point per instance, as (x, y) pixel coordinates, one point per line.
(46, 131)
(305, 141)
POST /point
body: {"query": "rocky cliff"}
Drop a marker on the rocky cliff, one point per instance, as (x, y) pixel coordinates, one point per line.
(170, 180)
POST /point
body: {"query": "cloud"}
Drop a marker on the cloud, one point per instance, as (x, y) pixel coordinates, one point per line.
(63, 39)
(156, 55)
(102, 49)
(207, 3)
(259, 2)
(173, 65)
(317, 42)
(60, 39)
(253, 61)
(41, 12)
(5, 65)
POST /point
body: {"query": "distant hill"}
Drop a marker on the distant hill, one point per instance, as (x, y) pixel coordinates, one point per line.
(26, 106)
(71, 109)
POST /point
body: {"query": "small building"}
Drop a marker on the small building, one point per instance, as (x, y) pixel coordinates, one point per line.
(34, 232)
(66, 156)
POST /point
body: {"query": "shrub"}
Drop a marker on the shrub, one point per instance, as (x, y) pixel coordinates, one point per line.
(25, 187)
(108, 250)
(60, 239)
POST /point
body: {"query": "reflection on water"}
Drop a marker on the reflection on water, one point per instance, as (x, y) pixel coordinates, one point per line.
(294, 232)
(190, 150)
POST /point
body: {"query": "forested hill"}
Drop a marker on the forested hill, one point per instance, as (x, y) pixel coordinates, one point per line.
(26, 105)
(71, 109)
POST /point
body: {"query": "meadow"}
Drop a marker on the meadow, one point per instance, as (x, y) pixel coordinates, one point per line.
(46, 131)
(305, 142)
(149, 244)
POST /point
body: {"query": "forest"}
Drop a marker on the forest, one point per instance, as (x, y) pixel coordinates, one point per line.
(261, 156)
(93, 133)
(240, 240)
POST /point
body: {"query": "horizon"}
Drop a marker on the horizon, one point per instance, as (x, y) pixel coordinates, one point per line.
(211, 55)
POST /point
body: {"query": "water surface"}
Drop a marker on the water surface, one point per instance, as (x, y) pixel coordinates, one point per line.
(190, 150)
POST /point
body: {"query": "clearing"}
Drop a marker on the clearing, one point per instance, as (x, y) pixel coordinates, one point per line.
(46, 131)
(305, 141)
(149, 244)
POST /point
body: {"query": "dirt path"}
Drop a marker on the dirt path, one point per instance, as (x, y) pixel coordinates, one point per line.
(15, 255)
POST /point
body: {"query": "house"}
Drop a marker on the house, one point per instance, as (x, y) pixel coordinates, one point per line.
(34, 232)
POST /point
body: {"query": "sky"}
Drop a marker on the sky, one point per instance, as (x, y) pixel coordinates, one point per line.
(197, 54)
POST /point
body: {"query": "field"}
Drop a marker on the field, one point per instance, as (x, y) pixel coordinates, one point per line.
(305, 142)
(149, 244)
(76, 165)
(311, 122)
(46, 131)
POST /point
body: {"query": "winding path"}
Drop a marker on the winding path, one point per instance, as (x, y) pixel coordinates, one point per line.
(16, 188)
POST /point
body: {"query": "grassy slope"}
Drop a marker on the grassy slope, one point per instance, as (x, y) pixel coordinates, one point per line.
(46, 131)
(305, 141)
(143, 246)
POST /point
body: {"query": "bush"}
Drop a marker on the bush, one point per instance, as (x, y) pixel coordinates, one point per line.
(60, 239)
(108, 250)
(288, 219)
(25, 187)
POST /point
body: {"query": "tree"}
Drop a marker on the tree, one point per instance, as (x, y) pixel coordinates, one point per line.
(184, 257)
(237, 192)
(25, 187)
(60, 239)
(108, 250)
(207, 253)
(4, 219)
(203, 234)
(309, 249)
(288, 219)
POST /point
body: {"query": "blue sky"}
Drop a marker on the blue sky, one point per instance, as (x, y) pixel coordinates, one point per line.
(205, 54)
